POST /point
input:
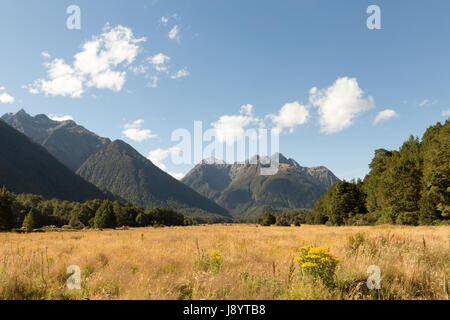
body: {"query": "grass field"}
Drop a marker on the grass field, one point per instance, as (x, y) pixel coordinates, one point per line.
(225, 262)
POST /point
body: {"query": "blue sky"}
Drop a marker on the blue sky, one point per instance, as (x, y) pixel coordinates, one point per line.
(223, 55)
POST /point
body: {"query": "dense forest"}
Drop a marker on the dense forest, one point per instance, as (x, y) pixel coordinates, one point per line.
(30, 212)
(409, 186)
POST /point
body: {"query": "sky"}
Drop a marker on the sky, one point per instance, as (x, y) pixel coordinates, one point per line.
(310, 70)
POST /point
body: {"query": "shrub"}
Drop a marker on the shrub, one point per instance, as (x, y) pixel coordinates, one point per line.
(105, 216)
(268, 219)
(6, 215)
(209, 262)
(29, 223)
(281, 221)
(318, 263)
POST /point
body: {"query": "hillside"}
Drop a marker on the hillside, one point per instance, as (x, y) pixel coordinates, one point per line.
(26, 167)
(123, 171)
(68, 142)
(240, 188)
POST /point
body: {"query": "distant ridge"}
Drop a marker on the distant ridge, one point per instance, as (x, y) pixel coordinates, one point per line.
(241, 189)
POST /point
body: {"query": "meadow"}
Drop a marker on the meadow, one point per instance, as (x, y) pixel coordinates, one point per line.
(226, 262)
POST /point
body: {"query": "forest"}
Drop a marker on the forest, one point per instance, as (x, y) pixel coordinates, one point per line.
(409, 186)
(30, 212)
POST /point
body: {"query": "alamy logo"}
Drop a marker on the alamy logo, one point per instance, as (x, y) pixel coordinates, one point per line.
(74, 281)
(74, 20)
(374, 20)
(374, 281)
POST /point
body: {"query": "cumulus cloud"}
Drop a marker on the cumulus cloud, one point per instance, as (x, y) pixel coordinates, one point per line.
(45, 54)
(5, 97)
(174, 33)
(180, 74)
(385, 115)
(158, 156)
(231, 128)
(164, 20)
(159, 62)
(135, 132)
(340, 104)
(97, 65)
(140, 69)
(446, 113)
(153, 83)
(291, 115)
(59, 117)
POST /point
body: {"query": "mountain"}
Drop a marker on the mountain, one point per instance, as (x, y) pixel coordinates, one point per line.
(241, 189)
(27, 167)
(121, 170)
(68, 142)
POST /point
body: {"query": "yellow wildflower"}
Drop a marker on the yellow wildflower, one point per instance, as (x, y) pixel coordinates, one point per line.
(214, 253)
(309, 265)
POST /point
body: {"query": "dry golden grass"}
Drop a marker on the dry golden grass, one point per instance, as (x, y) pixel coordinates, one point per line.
(256, 263)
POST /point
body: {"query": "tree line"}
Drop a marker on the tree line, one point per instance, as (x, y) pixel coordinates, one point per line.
(407, 186)
(34, 211)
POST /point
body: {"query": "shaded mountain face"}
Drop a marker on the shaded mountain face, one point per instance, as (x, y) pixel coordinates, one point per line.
(241, 189)
(27, 167)
(68, 142)
(121, 170)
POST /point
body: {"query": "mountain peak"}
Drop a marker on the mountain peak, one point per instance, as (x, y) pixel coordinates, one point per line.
(21, 112)
(68, 142)
(212, 160)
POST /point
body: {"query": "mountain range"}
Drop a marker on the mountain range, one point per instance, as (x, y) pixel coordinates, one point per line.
(122, 170)
(241, 189)
(211, 189)
(112, 166)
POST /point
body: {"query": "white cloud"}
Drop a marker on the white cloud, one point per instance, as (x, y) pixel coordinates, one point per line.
(59, 117)
(165, 20)
(291, 115)
(232, 128)
(6, 98)
(176, 175)
(2, 88)
(174, 33)
(180, 74)
(153, 83)
(446, 113)
(159, 62)
(385, 115)
(424, 102)
(45, 54)
(94, 66)
(427, 103)
(140, 69)
(135, 132)
(157, 156)
(339, 104)
(247, 109)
